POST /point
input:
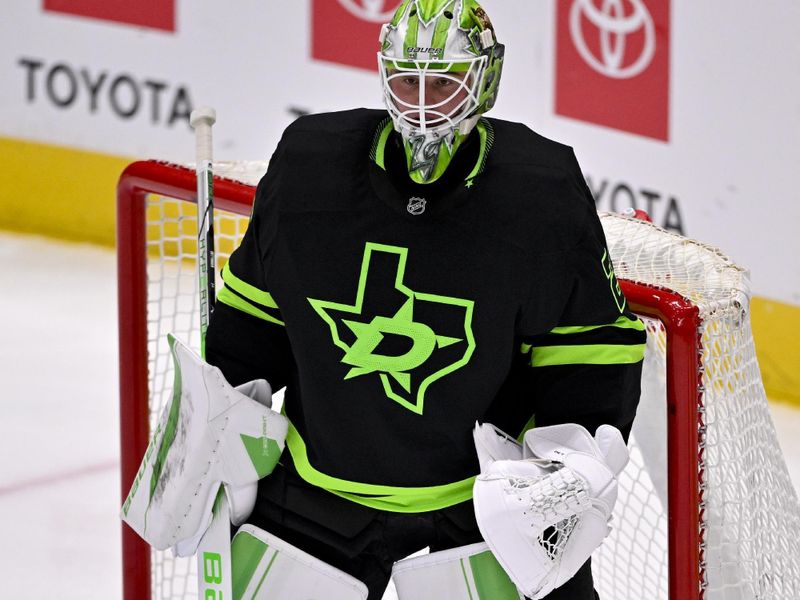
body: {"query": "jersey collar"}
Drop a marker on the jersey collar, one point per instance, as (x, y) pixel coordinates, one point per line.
(483, 129)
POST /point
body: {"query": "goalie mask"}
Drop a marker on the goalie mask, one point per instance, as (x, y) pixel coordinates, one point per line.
(440, 68)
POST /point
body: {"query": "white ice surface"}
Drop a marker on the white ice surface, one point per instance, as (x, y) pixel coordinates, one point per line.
(59, 455)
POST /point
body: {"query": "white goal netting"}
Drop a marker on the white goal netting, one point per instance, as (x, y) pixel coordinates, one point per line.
(748, 517)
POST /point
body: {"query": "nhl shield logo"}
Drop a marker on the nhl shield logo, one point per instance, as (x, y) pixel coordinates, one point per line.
(416, 206)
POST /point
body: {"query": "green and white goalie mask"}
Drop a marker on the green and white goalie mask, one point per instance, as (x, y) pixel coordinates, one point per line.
(440, 67)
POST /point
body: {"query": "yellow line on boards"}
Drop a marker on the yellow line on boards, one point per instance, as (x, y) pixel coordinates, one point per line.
(776, 330)
(59, 192)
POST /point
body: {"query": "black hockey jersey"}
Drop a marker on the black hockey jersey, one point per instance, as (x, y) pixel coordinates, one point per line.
(399, 316)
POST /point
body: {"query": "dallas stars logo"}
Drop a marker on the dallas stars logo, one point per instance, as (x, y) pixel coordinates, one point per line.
(422, 355)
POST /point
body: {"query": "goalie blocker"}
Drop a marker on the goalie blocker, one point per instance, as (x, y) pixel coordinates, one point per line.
(209, 435)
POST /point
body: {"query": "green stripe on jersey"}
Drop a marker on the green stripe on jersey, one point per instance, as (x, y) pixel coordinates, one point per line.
(622, 323)
(380, 497)
(486, 138)
(380, 146)
(228, 297)
(595, 354)
(245, 289)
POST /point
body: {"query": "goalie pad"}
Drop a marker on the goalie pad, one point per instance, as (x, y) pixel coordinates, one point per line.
(267, 568)
(544, 515)
(209, 434)
(466, 573)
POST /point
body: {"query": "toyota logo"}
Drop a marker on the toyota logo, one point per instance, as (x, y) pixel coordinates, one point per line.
(613, 30)
(370, 10)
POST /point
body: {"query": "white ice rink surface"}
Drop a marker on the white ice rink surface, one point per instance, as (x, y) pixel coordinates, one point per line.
(59, 455)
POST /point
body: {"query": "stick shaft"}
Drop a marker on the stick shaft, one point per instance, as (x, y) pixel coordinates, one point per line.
(205, 249)
(213, 554)
(202, 119)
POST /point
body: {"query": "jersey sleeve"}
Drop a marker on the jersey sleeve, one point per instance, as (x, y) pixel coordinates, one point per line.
(247, 337)
(587, 368)
(245, 287)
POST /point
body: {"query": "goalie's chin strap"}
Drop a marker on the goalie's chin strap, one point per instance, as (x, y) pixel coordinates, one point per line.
(214, 554)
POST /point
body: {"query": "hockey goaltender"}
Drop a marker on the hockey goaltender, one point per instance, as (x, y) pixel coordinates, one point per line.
(432, 289)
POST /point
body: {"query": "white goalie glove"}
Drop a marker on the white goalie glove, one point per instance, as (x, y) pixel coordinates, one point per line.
(544, 506)
(210, 434)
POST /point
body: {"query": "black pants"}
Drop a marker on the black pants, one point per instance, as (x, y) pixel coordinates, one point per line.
(365, 542)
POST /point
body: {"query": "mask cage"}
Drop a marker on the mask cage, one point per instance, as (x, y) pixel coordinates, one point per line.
(421, 118)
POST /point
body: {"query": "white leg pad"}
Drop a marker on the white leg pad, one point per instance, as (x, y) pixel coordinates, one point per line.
(267, 568)
(465, 573)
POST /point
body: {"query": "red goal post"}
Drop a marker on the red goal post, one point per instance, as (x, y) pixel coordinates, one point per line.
(139, 181)
(679, 318)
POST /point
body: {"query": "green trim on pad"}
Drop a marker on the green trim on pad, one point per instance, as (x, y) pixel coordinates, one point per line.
(171, 428)
(263, 452)
(266, 572)
(466, 578)
(491, 581)
(246, 552)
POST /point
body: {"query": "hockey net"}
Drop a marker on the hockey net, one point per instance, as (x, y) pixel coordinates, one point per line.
(706, 510)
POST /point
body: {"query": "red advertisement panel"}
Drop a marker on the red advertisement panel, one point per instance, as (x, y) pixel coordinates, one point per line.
(612, 64)
(346, 31)
(156, 14)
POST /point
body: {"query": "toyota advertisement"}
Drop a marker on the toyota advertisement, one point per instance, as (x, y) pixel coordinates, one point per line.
(617, 53)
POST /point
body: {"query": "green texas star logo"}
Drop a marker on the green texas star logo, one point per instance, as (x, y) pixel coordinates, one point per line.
(429, 355)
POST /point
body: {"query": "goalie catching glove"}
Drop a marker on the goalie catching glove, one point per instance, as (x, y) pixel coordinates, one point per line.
(210, 434)
(544, 506)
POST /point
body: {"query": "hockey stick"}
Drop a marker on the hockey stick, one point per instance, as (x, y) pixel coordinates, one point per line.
(213, 553)
(202, 119)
